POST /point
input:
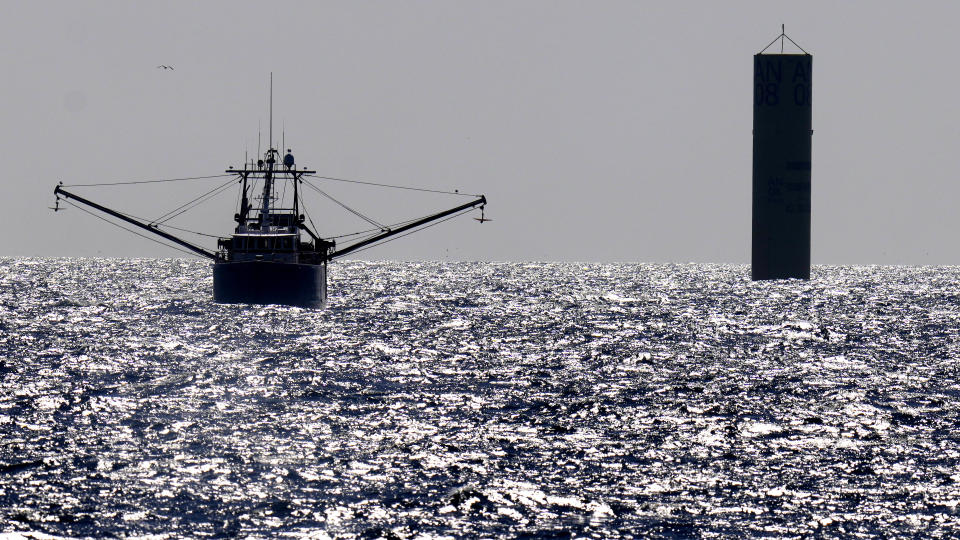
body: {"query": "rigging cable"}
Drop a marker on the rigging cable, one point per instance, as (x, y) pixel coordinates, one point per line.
(211, 193)
(303, 207)
(253, 198)
(147, 181)
(126, 229)
(358, 233)
(165, 226)
(391, 186)
(458, 214)
(347, 208)
(783, 34)
(373, 232)
(239, 194)
(155, 225)
(144, 220)
(197, 203)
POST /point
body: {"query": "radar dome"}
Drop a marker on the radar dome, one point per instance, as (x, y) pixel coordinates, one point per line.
(288, 159)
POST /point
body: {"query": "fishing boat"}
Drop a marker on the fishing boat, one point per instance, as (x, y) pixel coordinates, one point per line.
(273, 255)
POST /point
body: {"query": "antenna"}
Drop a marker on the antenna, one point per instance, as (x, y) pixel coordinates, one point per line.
(783, 38)
(270, 141)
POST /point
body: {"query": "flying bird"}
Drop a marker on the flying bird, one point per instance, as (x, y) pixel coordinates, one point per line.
(161, 66)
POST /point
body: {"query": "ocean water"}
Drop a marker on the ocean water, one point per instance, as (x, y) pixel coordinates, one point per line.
(479, 400)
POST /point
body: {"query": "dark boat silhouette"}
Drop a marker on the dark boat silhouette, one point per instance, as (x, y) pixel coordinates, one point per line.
(272, 257)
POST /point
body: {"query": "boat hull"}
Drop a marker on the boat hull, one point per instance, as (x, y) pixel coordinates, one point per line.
(267, 282)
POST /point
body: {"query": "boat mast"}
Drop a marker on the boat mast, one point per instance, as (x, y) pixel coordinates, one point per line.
(268, 175)
(267, 189)
(270, 140)
(244, 204)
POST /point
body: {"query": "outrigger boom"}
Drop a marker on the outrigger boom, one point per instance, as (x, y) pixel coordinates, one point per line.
(146, 226)
(59, 191)
(353, 247)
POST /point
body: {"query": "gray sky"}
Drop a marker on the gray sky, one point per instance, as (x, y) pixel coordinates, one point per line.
(599, 131)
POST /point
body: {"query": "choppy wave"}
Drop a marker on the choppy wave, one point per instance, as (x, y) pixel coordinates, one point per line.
(439, 400)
